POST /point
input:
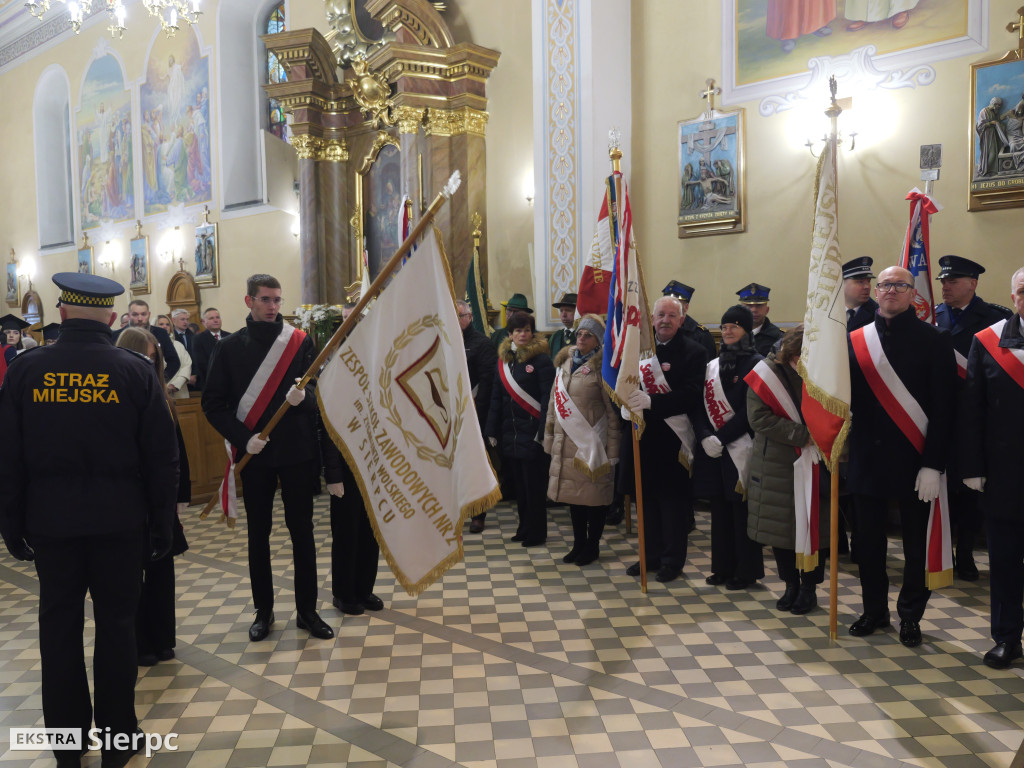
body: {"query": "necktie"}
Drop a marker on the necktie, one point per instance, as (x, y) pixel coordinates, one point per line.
(849, 314)
(216, 335)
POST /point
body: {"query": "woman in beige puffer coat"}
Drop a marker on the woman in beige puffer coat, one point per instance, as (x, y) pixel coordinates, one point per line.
(588, 491)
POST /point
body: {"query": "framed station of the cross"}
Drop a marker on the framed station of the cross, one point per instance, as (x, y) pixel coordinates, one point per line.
(712, 179)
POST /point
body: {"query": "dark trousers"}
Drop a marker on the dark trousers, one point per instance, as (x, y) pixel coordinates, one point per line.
(109, 568)
(964, 515)
(155, 622)
(259, 487)
(1006, 566)
(870, 517)
(494, 455)
(587, 527)
(785, 561)
(668, 509)
(354, 550)
(531, 481)
(733, 554)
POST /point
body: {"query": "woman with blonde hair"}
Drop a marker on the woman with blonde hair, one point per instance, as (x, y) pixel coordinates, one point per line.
(581, 434)
(155, 620)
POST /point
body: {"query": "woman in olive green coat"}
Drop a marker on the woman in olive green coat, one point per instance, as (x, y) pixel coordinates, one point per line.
(771, 518)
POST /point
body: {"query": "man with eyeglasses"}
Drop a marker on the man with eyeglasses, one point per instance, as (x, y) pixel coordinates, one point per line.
(245, 387)
(963, 313)
(482, 359)
(901, 376)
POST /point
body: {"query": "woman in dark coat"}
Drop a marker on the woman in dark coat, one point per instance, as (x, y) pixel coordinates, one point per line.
(771, 499)
(515, 422)
(736, 561)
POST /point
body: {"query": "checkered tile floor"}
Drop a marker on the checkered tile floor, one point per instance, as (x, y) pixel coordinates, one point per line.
(516, 659)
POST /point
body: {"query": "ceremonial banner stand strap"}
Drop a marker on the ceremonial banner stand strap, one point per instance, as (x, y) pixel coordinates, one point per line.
(346, 327)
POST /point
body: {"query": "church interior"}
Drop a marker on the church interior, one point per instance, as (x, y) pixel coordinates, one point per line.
(289, 136)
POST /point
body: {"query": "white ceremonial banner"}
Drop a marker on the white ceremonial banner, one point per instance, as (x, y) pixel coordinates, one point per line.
(396, 400)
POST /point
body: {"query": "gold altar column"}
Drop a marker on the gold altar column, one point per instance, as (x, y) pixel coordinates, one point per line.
(335, 254)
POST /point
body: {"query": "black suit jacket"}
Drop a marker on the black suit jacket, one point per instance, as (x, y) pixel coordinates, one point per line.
(865, 314)
(883, 462)
(977, 316)
(187, 339)
(765, 339)
(171, 361)
(202, 351)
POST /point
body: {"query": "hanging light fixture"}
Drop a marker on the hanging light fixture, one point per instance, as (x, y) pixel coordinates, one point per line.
(168, 11)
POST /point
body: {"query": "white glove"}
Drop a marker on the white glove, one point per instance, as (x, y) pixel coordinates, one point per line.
(975, 483)
(295, 396)
(712, 446)
(256, 444)
(182, 506)
(638, 400)
(493, 442)
(336, 489)
(927, 484)
(613, 462)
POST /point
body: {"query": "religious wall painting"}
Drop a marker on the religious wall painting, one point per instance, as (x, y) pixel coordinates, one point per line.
(85, 260)
(997, 134)
(774, 48)
(103, 133)
(138, 264)
(175, 108)
(207, 255)
(379, 199)
(13, 287)
(711, 174)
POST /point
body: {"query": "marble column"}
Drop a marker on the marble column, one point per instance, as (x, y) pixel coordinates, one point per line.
(309, 149)
(336, 256)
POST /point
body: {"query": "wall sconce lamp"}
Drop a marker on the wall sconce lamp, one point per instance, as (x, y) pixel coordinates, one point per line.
(846, 104)
(170, 244)
(110, 255)
(26, 268)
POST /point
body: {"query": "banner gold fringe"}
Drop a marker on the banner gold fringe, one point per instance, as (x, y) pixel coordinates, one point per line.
(806, 563)
(592, 474)
(837, 408)
(685, 463)
(939, 579)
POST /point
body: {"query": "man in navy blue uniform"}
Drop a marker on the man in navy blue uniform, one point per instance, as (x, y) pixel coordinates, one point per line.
(860, 307)
(963, 313)
(691, 329)
(88, 516)
(755, 298)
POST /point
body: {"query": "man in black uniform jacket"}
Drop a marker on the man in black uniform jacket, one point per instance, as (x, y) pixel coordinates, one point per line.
(691, 329)
(205, 343)
(482, 359)
(287, 455)
(860, 307)
(755, 298)
(963, 313)
(668, 501)
(138, 317)
(885, 465)
(84, 511)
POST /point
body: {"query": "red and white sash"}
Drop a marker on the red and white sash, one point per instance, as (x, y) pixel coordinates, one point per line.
(591, 458)
(1010, 360)
(653, 382)
(770, 388)
(717, 407)
(254, 402)
(910, 418)
(961, 364)
(524, 399)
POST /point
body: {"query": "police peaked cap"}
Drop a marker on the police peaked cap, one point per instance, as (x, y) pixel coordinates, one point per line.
(958, 266)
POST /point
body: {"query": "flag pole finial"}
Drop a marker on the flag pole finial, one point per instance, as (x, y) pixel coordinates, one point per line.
(614, 140)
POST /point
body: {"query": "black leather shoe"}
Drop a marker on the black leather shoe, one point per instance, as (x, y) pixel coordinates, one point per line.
(118, 758)
(165, 654)
(372, 603)
(518, 537)
(910, 633)
(148, 660)
(352, 609)
(806, 601)
(965, 567)
(867, 624)
(476, 526)
(633, 570)
(714, 580)
(587, 556)
(788, 597)
(570, 556)
(316, 626)
(735, 584)
(616, 514)
(1003, 655)
(667, 573)
(261, 627)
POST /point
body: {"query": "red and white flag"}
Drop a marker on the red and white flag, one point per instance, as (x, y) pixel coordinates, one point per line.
(592, 295)
(915, 256)
(824, 363)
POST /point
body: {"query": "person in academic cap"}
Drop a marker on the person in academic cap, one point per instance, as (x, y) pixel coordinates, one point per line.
(88, 532)
(516, 305)
(691, 329)
(564, 336)
(51, 332)
(963, 313)
(860, 307)
(12, 327)
(755, 298)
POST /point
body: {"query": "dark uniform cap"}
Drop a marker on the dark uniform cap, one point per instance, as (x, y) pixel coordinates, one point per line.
(859, 267)
(567, 300)
(13, 323)
(681, 291)
(755, 293)
(51, 332)
(958, 266)
(82, 290)
(518, 301)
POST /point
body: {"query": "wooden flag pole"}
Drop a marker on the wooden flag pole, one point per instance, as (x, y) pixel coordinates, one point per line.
(349, 323)
(639, 508)
(833, 113)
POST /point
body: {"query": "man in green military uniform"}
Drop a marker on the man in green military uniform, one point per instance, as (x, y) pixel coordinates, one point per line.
(517, 303)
